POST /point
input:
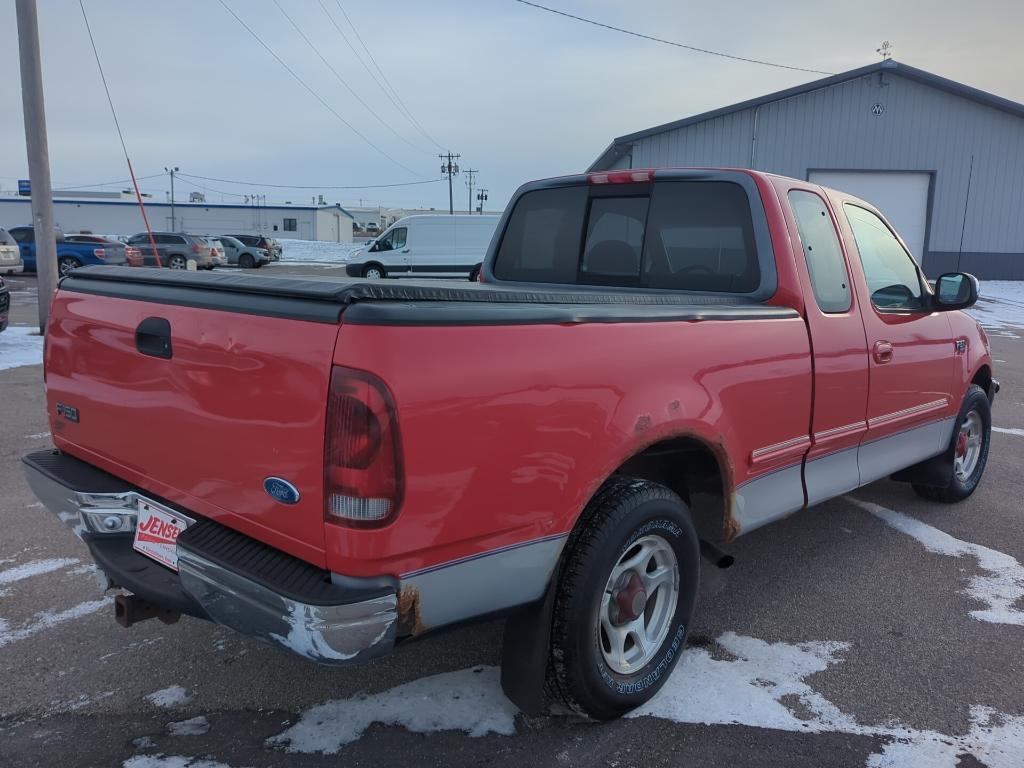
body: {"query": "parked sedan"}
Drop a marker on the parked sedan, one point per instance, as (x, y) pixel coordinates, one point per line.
(269, 244)
(174, 249)
(10, 254)
(242, 255)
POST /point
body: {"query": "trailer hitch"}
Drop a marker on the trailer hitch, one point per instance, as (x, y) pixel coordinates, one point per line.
(131, 609)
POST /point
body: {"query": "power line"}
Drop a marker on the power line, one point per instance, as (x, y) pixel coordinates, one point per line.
(404, 108)
(342, 80)
(310, 186)
(111, 183)
(672, 43)
(313, 93)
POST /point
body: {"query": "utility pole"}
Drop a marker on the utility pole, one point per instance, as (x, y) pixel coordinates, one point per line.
(470, 172)
(43, 223)
(172, 170)
(481, 196)
(449, 169)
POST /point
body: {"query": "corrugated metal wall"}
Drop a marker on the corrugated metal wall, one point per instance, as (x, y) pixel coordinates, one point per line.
(921, 129)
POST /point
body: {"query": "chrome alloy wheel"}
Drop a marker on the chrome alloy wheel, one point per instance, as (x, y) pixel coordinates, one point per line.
(968, 446)
(638, 604)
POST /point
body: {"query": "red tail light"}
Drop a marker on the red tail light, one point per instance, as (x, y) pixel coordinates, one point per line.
(195, 248)
(362, 457)
(621, 177)
(99, 253)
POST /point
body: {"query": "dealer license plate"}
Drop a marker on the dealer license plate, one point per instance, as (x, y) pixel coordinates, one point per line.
(157, 530)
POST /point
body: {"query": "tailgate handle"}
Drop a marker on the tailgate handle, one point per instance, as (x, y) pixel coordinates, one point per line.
(153, 337)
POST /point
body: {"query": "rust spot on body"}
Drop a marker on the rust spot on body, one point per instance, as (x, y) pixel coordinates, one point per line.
(673, 406)
(409, 622)
(643, 423)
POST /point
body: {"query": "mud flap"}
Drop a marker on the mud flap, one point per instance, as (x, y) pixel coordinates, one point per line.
(525, 648)
(936, 471)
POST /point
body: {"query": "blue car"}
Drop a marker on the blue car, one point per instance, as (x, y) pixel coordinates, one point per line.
(69, 255)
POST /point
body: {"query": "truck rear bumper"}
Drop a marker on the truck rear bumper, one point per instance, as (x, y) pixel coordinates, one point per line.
(223, 575)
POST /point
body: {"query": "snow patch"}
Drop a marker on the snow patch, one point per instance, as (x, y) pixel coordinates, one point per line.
(316, 252)
(194, 726)
(143, 742)
(20, 346)
(173, 696)
(1009, 431)
(1000, 307)
(760, 685)
(48, 620)
(469, 700)
(37, 436)
(171, 761)
(1000, 588)
(35, 568)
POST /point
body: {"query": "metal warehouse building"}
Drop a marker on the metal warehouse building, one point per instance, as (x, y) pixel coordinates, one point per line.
(942, 160)
(122, 217)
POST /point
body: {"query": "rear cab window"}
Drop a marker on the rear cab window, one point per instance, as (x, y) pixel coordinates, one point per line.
(705, 235)
(822, 252)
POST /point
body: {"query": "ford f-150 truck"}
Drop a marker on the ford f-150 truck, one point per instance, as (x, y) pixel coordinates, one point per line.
(70, 255)
(335, 466)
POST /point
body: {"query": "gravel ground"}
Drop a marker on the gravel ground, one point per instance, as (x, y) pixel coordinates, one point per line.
(845, 635)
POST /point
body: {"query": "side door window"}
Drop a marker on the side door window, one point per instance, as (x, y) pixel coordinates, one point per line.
(398, 237)
(822, 252)
(894, 282)
(23, 236)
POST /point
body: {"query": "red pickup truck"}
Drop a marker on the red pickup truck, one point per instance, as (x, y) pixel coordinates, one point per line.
(336, 466)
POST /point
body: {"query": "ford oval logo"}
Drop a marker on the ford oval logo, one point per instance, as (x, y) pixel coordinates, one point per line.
(281, 490)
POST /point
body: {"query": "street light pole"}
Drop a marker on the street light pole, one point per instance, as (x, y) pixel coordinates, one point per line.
(44, 229)
(172, 171)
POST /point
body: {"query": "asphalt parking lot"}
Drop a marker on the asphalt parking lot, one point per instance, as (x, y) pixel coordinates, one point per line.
(873, 630)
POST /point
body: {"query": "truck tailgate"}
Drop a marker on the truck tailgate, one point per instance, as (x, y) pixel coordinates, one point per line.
(239, 396)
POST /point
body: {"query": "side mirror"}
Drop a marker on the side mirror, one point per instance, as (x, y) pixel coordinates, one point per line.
(955, 290)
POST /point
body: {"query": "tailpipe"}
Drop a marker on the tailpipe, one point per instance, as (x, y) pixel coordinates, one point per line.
(716, 556)
(131, 609)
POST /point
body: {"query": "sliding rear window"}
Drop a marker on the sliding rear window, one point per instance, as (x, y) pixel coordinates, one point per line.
(675, 234)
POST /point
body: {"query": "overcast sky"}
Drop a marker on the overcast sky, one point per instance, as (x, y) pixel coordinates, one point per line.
(519, 92)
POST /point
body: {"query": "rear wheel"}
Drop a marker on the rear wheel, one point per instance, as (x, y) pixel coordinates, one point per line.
(968, 451)
(625, 596)
(67, 263)
(177, 261)
(246, 261)
(374, 272)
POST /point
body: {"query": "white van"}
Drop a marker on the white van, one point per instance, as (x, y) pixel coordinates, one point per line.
(431, 245)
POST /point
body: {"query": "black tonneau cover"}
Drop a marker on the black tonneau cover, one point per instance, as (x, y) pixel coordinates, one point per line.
(406, 302)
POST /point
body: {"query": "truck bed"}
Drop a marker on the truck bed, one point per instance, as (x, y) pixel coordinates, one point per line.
(407, 302)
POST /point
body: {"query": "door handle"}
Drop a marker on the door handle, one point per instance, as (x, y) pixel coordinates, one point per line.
(405, 250)
(882, 351)
(153, 338)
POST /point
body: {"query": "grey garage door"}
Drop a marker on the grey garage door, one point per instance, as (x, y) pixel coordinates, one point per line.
(901, 195)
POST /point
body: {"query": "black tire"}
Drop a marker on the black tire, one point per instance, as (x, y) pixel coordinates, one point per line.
(474, 274)
(622, 512)
(246, 261)
(176, 261)
(959, 488)
(374, 271)
(67, 263)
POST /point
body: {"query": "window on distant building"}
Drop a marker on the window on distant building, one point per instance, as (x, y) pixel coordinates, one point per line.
(291, 225)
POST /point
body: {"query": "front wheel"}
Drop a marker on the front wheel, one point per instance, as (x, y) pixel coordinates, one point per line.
(246, 261)
(176, 262)
(968, 450)
(625, 596)
(374, 272)
(67, 263)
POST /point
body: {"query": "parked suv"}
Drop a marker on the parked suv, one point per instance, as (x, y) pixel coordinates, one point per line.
(10, 254)
(269, 244)
(174, 250)
(108, 248)
(241, 255)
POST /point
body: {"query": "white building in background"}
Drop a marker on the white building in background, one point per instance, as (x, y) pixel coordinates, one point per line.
(384, 217)
(113, 216)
